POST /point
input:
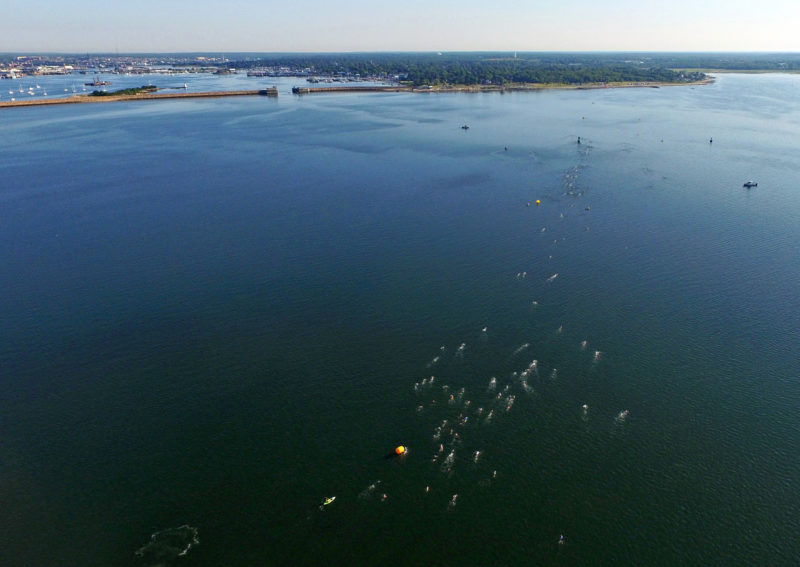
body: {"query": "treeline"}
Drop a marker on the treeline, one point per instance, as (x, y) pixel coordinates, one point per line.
(481, 68)
(131, 91)
(732, 61)
(502, 72)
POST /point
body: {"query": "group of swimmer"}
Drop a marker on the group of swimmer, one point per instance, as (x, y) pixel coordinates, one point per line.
(457, 415)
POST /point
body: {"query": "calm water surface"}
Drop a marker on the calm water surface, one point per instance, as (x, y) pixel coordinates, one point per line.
(218, 313)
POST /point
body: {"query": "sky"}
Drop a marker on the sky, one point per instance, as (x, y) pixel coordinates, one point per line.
(150, 26)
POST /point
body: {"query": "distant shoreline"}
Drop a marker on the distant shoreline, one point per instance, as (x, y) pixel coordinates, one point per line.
(88, 99)
(559, 86)
(499, 88)
(746, 71)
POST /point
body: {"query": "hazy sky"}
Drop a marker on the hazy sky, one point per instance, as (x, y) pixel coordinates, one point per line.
(391, 25)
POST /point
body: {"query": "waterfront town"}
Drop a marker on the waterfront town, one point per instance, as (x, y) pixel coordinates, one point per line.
(418, 72)
(19, 66)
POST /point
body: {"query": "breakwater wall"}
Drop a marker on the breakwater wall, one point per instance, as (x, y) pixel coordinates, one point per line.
(379, 89)
(80, 99)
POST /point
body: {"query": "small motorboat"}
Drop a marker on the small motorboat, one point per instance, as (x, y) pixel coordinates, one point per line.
(750, 184)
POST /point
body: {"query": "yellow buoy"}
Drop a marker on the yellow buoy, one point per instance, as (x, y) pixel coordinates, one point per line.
(400, 450)
(538, 202)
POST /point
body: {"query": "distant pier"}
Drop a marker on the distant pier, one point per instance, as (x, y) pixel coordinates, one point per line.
(80, 99)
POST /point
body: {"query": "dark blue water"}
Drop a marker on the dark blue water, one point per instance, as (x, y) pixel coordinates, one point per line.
(219, 313)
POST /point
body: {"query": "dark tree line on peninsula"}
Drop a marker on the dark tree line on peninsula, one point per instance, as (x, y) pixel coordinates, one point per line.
(458, 68)
(482, 68)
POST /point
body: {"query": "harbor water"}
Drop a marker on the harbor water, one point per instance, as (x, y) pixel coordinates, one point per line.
(219, 314)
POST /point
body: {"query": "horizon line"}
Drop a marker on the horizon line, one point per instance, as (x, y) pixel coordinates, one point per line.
(225, 53)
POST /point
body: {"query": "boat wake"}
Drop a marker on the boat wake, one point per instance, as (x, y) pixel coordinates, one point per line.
(167, 545)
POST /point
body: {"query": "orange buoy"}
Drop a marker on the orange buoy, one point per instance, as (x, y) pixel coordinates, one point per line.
(400, 450)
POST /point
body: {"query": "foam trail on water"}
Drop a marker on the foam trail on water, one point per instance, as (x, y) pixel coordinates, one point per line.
(520, 349)
(165, 546)
(369, 491)
(449, 461)
(453, 500)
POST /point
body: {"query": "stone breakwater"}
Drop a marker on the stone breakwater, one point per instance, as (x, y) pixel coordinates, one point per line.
(81, 99)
